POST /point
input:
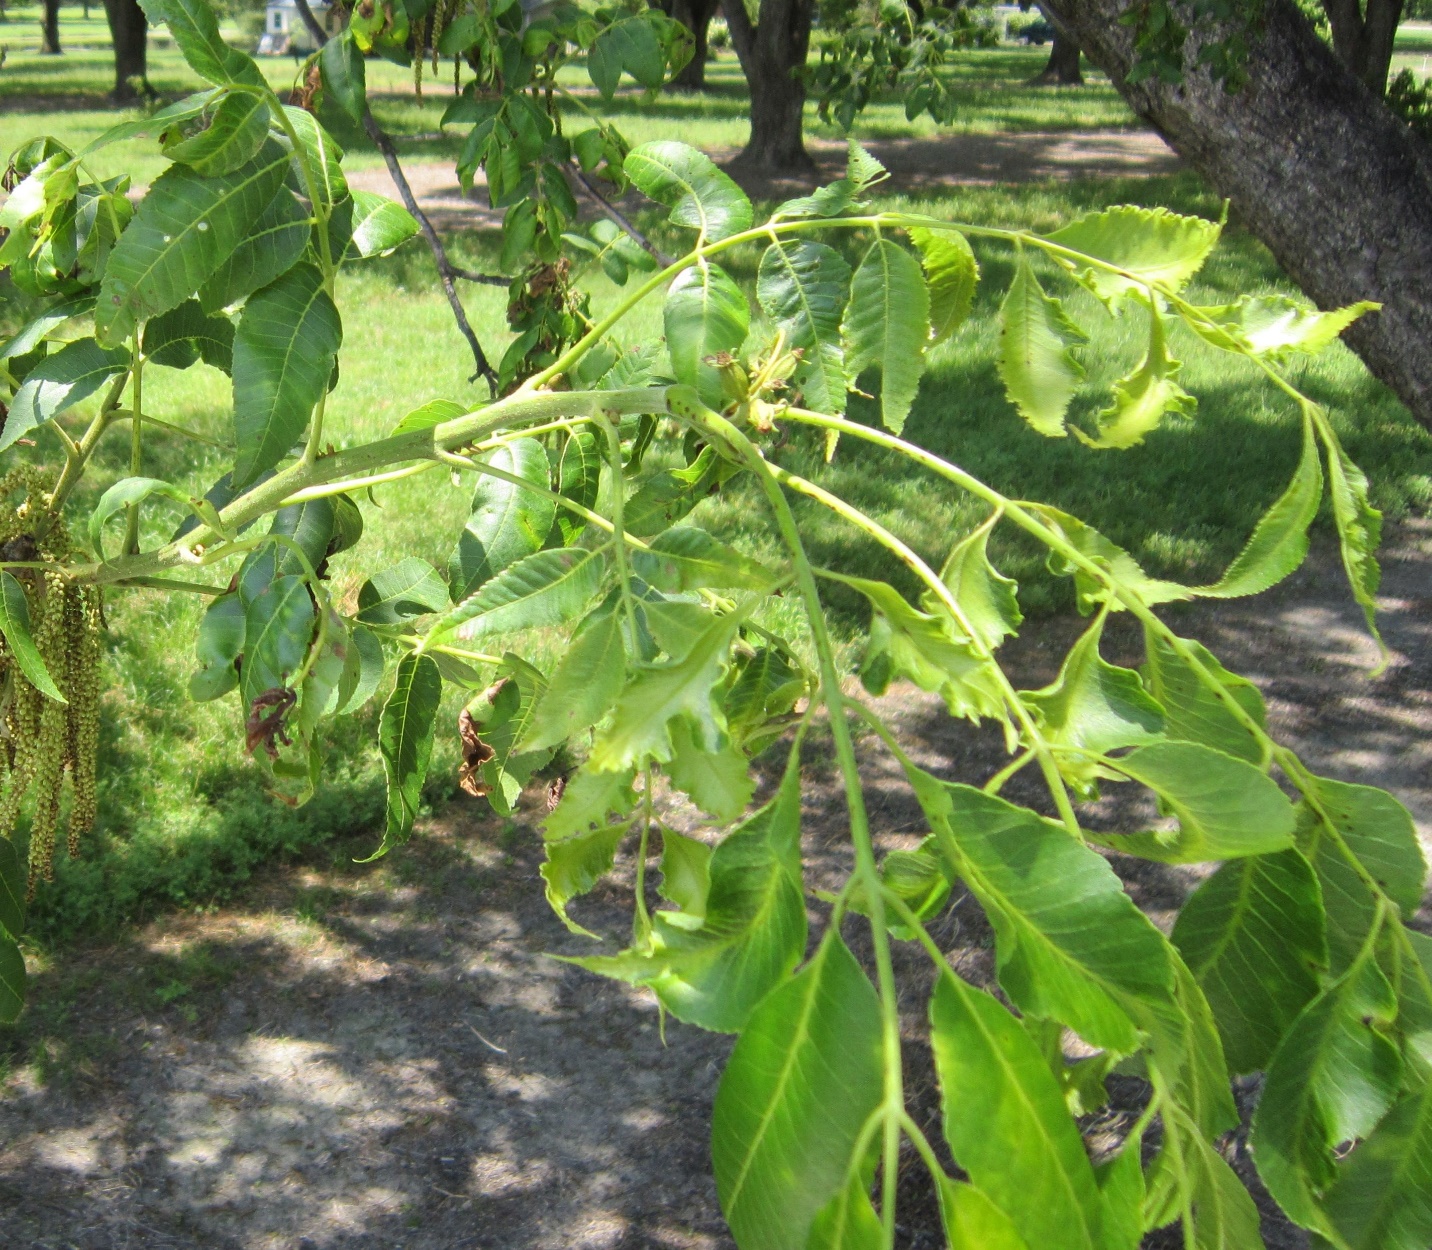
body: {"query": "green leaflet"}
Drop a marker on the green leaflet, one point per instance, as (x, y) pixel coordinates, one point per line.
(12, 981)
(887, 323)
(802, 286)
(588, 799)
(270, 248)
(687, 558)
(1382, 1198)
(507, 522)
(1145, 397)
(185, 334)
(344, 75)
(1071, 944)
(323, 153)
(705, 314)
(1223, 1214)
(1192, 711)
(585, 685)
(575, 865)
(905, 642)
(628, 44)
(196, 31)
(15, 625)
(1226, 808)
(1331, 1079)
(127, 492)
(712, 966)
(987, 598)
(153, 124)
(669, 494)
(1090, 591)
(432, 413)
(59, 382)
(362, 671)
(1006, 1122)
(310, 525)
(278, 625)
(1280, 539)
(1252, 935)
(972, 1221)
(42, 325)
(718, 782)
(767, 685)
(545, 588)
(1377, 831)
(1039, 370)
(1183, 1044)
(405, 740)
(181, 233)
(236, 132)
(640, 727)
(1359, 527)
(1151, 244)
(685, 876)
(1276, 326)
(12, 890)
(848, 1221)
(800, 1084)
(699, 195)
(378, 225)
(579, 476)
(952, 273)
(1121, 1186)
(1093, 707)
(410, 588)
(502, 715)
(284, 348)
(219, 643)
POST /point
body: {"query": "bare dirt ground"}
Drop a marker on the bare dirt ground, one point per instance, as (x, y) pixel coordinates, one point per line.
(366, 1057)
(914, 165)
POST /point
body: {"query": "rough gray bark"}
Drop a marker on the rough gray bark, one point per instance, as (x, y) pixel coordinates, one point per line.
(772, 53)
(1364, 41)
(129, 30)
(696, 16)
(1315, 165)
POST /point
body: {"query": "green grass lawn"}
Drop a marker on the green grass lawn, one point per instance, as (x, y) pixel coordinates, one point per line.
(183, 814)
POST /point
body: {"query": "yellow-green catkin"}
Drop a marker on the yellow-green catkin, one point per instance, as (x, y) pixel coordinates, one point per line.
(41, 740)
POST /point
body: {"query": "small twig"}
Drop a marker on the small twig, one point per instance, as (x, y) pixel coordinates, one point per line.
(620, 218)
(446, 273)
(483, 1040)
(488, 279)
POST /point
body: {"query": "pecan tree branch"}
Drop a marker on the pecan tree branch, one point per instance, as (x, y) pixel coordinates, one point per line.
(620, 218)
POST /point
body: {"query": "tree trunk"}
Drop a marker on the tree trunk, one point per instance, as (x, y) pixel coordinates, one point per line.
(50, 29)
(130, 33)
(772, 54)
(1337, 187)
(1062, 69)
(1364, 43)
(696, 16)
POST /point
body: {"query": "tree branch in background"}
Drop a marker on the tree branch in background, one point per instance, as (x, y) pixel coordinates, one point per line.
(447, 272)
(620, 218)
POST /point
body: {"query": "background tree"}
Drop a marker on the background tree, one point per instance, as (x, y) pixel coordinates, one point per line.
(1363, 32)
(772, 52)
(696, 16)
(1062, 68)
(50, 28)
(1336, 185)
(130, 32)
